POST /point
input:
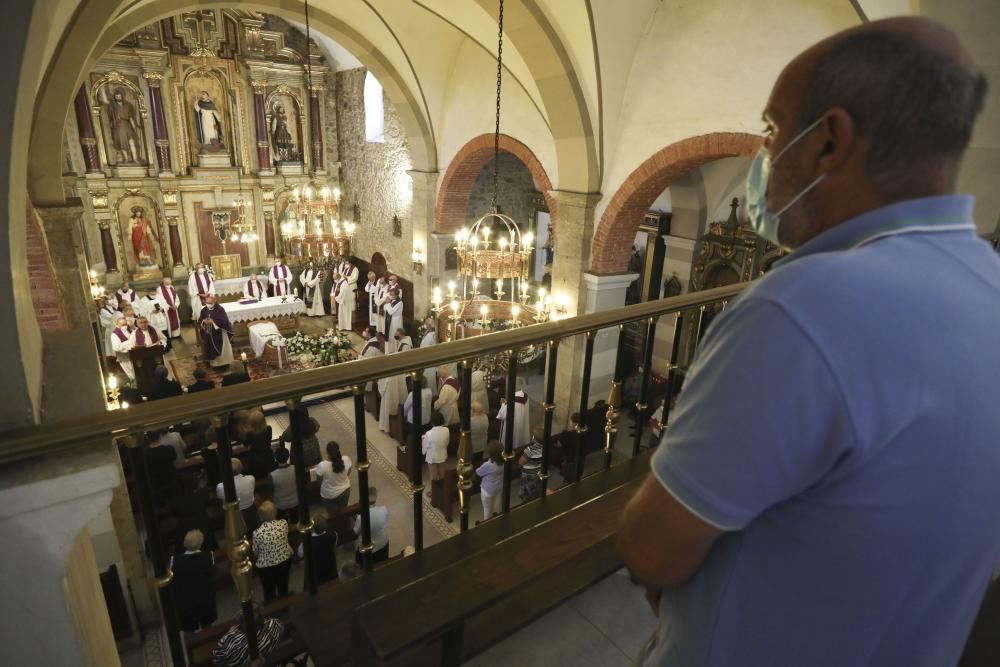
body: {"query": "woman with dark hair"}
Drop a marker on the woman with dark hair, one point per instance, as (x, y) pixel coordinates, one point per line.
(257, 436)
(335, 490)
(310, 441)
(491, 479)
(233, 649)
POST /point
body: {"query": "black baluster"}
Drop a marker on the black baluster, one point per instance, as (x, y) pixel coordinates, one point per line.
(508, 440)
(551, 358)
(301, 491)
(465, 471)
(581, 428)
(361, 437)
(674, 376)
(642, 405)
(416, 462)
(614, 399)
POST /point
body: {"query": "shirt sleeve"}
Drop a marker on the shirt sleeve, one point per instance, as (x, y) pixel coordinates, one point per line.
(761, 418)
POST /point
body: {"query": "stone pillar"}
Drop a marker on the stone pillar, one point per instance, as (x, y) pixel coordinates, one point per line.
(269, 246)
(160, 138)
(605, 293)
(176, 249)
(53, 608)
(316, 128)
(88, 138)
(260, 127)
(422, 213)
(108, 246)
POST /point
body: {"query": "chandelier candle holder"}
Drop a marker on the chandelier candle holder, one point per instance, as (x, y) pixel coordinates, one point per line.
(311, 228)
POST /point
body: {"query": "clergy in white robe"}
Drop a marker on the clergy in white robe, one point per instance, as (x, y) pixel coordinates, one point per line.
(372, 348)
(381, 299)
(393, 284)
(158, 320)
(521, 427)
(478, 390)
(344, 294)
(370, 288)
(145, 304)
(171, 303)
(312, 291)
(253, 288)
(393, 318)
(430, 338)
(349, 271)
(393, 388)
(447, 400)
(121, 343)
(280, 278)
(107, 315)
(200, 285)
(126, 293)
(145, 335)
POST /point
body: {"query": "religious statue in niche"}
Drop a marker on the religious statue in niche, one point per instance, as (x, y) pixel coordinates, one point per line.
(143, 238)
(124, 126)
(451, 258)
(281, 137)
(208, 123)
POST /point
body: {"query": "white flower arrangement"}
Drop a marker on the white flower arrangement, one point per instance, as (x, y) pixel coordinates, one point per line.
(330, 348)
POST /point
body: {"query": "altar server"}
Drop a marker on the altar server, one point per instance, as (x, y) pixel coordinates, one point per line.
(430, 338)
(200, 285)
(216, 333)
(280, 278)
(253, 288)
(171, 304)
(344, 294)
(158, 320)
(522, 428)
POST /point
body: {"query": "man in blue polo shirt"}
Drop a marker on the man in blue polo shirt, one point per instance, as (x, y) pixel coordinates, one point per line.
(829, 490)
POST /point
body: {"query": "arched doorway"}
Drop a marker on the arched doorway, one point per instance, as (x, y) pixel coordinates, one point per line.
(616, 231)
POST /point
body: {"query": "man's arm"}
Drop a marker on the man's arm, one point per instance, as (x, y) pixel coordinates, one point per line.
(663, 544)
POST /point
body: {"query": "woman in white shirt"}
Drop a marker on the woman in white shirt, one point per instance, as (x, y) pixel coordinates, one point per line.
(435, 447)
(335, 490)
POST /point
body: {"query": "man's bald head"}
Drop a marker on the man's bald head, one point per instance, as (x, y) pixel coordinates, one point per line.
(911, 88)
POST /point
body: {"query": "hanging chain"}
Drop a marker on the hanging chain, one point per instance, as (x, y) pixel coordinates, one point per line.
(496, 133)
(309, 78)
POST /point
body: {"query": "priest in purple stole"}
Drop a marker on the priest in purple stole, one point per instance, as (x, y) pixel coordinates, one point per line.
(216, 333)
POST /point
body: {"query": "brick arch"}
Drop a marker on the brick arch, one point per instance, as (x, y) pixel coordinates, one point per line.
(616, 231)
(464, 169)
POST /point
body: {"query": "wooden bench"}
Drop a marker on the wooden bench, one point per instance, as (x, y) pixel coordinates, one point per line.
(200, 644)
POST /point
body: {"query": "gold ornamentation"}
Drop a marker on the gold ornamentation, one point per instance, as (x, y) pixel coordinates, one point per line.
(153, 78)
(170, 197)
(258, 86)
(611, 417)
(239, 550)
(165, 580)
(99, 200)
(267, 194)
(171, 220)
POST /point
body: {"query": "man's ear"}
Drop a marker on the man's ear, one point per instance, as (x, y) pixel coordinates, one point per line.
(838, 133)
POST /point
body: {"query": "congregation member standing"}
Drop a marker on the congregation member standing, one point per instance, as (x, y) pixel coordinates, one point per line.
(258, 438)
(246, 490)
(434, 446)
(426, 406)
(272, 553)
(335, 473)
(379, 515)
(490, 474)
(285, 494)
(531, 467)
(827, 491)
(479, 429)
(193, 584)
(324, 552)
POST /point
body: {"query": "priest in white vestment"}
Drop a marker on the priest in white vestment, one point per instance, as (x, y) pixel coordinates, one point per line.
(381, 299)
(200, 285)
(216, 334)
(447, 400)
(145, 304)
(371, 287)
(280, 278)
(430, 338)
(107, 315)
(171, 303)
(522, 427)
(393, 318)
(158, 320)
(125, 293)
(145, 335)
(479, 392)
(121, 343)
(312, 290)
(344, 294)
(372, 348)
(393, 388)
(253, 288)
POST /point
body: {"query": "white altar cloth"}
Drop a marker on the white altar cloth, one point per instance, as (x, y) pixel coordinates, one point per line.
(264, 309)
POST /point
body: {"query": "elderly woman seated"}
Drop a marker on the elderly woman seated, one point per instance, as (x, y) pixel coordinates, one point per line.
(234, 649)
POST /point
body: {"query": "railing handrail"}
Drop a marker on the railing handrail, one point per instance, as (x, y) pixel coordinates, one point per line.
(56, 437)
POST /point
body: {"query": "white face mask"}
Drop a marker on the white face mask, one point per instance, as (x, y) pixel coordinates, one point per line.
(201, 269)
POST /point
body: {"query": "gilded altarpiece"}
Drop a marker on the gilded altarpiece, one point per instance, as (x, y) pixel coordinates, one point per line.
(174, 123)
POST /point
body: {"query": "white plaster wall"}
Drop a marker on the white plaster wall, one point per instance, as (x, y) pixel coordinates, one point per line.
(704, 67)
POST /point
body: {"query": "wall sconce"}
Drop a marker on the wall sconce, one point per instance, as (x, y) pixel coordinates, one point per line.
(397, 227)
(419, 257)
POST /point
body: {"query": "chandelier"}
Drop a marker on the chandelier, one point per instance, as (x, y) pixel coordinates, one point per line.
(243, 229)
(494, 258)
(310, 227)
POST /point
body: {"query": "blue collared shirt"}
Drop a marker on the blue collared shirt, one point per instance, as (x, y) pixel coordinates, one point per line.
(840, 425)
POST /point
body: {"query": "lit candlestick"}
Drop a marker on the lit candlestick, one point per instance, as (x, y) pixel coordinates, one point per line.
(451, 289)
(528, 238)
(516, 312)
(243, 357)
(499, 289)
(475, 287)
(503, 244)
(485, 312)
(112, 382)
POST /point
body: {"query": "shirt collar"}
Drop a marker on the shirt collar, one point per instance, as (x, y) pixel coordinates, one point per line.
(943, 213)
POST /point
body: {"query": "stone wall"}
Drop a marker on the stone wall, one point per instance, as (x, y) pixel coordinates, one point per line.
(373, 176)
(515, 194)
(330, 140)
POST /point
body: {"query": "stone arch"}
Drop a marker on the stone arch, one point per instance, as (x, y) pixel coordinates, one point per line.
(464, 168)
(620, 221)
(78, 52)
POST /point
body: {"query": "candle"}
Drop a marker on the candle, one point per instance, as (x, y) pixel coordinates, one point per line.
(124, 405)
(243, 357)
(516, 312)
(451, 288)
(499, 284)
(454, 308)
(112, 382)
(528, 238)
(503, 244)
(295, 292)
(475, 286)
(437, 295)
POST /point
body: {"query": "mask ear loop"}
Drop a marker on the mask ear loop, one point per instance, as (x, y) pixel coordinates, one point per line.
(789, 145)
(801, 194)
(796, 139)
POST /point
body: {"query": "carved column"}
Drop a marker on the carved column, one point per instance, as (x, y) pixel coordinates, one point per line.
(176, 250)
(88, 138)
(316, 127)
(108, 246)
(160, 138)
(260, 125)
(269, 233)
